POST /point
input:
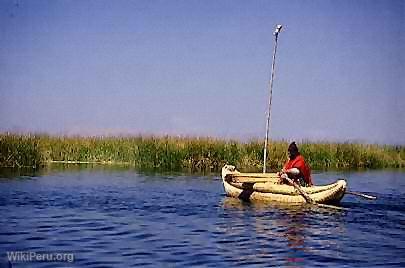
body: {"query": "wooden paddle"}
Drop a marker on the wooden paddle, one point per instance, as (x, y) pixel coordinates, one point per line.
(366, 196)
(307, 198)
(273, 177)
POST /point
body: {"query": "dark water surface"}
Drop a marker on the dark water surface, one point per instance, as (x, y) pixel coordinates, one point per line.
(121, 218)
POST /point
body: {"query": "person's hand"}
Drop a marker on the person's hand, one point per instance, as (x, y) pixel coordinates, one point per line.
(282, 178)
(282, 172)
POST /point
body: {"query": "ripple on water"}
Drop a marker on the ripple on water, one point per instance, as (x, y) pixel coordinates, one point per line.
(109, 219)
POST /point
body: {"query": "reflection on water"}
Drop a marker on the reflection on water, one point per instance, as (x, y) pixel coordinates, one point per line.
(122, 218)
(281, 225)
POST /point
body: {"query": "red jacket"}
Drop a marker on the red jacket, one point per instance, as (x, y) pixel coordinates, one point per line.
(305, 171)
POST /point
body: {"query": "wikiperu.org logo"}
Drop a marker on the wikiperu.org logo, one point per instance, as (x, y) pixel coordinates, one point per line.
(32, 256)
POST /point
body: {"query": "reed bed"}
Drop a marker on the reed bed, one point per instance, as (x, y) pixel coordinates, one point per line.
(190, 153)
(20, 151)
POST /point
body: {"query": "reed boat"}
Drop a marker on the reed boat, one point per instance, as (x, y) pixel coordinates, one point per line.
(265, 187)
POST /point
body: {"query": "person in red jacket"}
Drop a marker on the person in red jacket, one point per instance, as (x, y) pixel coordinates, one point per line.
(296, 168)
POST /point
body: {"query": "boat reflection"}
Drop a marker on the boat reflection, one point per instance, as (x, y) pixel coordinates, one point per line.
(283, 233)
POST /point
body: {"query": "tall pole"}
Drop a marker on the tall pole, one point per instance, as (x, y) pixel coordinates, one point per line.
(276, 32)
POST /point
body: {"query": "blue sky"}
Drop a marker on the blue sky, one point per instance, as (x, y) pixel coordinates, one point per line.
(201, 68)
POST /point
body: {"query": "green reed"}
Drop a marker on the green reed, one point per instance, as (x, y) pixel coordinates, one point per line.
(20, 151)
(191, 153)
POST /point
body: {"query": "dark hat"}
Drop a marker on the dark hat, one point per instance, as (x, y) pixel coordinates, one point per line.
(293, 149)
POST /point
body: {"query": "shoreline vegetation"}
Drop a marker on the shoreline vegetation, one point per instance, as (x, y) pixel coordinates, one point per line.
(187, 153)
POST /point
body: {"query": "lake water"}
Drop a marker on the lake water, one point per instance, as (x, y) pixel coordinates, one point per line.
(123, 218)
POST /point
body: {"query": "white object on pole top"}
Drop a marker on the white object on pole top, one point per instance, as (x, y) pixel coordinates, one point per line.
(278, 29)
